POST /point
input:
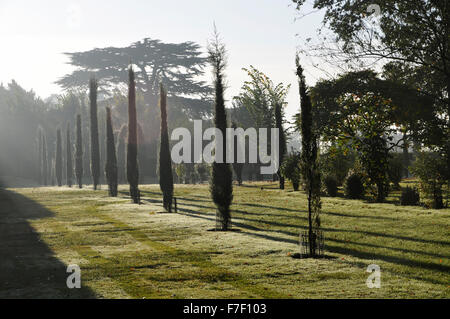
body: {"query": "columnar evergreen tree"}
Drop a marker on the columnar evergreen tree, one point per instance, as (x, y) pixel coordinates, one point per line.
(281, 140)
(44, 161)
(52, 170)
(121, 154)
(308, 161)
(69, 166)
(95, 150)
(165, 160)
(39, 156)
(222, 177)
(132, 164)
(58, 159)
(111, 160)
(79, 154)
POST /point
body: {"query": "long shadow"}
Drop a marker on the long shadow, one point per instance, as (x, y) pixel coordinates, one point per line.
(243, 211)
(28, 267)
(358, 216)
(337, 249)
(371, 256)
(393, 259)
(367, 233)
(333, 248)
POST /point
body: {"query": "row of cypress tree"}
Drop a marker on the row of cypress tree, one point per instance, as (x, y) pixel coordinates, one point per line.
(111, 168)
(221, 182)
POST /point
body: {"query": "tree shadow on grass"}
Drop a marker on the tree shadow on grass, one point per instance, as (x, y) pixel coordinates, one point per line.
(330, 247)
(28, 267)
(362, 253)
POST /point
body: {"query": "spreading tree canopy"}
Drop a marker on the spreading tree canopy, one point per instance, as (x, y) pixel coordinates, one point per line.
(176, 65)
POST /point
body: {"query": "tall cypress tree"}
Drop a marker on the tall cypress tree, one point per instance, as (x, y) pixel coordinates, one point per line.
(165, 160)
(111, 160)
(281, 140)
(39, 162)
(308, 162)
(121, 151)
(58, 159)
(44, 161)
(69, 164)
(221, 187)
(79, 154)
(95, 150)
(132, 164)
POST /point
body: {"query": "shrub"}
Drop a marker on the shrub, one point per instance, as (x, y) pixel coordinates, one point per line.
(181, 172)
(337, 162)
(202, 172)
(291, 169)
(410, 196)
(396, 170)
(430, 168)
(330, 183)
(354, 186)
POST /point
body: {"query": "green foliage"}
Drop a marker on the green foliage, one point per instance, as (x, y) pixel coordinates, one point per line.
(354, 186)
(366, 122)
(291, 169)
(132, 163)
(396, 169)
(58, 158)
(222, 177)
(331, 185)
(95, 149)
(180, 170)
(111, 159)
(410, 197)
(202, 170)
(69, 166)
(79, 154)
(165, 160)
(410, 34)
(260, 96)
(430, 168)
(336, 162)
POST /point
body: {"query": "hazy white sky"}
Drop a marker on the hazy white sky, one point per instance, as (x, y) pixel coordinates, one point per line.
(261, 33)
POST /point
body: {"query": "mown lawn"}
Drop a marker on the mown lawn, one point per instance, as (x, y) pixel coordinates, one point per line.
(138, 251)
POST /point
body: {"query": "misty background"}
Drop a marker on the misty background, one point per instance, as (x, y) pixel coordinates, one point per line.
(43, 86)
